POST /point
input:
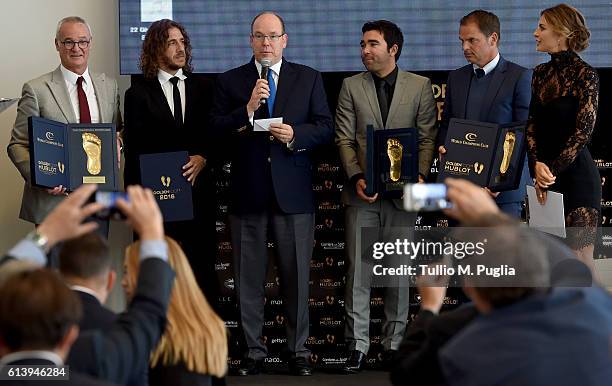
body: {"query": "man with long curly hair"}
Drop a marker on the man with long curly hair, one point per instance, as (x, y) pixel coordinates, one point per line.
(167, 111)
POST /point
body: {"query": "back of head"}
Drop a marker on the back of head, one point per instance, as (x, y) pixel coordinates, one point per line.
(195, 334)
(390, 31)
(514, 265)
(86, 257)
(570, 23)
(36, 310)
(487, 22)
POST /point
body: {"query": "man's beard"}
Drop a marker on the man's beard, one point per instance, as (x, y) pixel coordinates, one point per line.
(171, 65)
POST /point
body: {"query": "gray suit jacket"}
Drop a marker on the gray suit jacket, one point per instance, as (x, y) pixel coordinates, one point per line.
(47, 97)
(413, 105)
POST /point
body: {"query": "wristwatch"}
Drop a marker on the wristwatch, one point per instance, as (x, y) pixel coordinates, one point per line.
(40, 240)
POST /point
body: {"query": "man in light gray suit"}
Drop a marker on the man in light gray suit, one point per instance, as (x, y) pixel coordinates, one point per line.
(386, 98)
(69, 94)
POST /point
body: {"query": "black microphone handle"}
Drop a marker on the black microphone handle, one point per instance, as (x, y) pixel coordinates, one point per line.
(264, 75)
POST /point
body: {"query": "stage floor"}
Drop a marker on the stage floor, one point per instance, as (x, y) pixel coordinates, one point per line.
(319, 378)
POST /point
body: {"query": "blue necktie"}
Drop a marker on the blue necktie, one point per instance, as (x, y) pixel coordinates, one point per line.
(272, 96)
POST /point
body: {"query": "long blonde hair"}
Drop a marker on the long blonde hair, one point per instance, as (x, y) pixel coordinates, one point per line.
(195, 335)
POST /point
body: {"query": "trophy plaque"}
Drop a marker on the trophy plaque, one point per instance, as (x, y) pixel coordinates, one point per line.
(487, 154)
(392, 161)
(163, 174)
(73, 154)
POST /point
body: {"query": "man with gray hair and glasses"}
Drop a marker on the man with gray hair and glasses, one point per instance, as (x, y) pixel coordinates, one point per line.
(68, 94)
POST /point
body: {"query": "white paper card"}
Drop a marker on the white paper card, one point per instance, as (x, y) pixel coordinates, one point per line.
(264, 124)
(550, 217)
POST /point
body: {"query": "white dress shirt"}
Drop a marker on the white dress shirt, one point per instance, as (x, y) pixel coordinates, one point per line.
(275, 71)
(71, 84)
(33, 354)
(86, 290)
(275, 74)
(489, 66)
(168, 88)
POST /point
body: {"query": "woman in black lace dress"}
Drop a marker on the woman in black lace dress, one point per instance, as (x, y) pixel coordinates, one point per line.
(562, 116)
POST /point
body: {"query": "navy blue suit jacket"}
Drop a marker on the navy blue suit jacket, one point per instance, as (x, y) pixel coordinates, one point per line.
(262, 167)
(509, 94)
(561, 338)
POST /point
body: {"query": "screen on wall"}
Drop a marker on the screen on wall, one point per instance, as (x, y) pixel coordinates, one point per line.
(325, 34)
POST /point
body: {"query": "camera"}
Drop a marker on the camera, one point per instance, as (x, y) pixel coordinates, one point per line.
(109, 200)
(425, 197)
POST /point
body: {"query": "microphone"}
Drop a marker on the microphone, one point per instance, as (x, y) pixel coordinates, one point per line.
(265, 67)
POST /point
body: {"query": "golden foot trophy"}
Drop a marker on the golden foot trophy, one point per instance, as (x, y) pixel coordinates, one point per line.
(73, 154)
(488, 154)
(392, 161)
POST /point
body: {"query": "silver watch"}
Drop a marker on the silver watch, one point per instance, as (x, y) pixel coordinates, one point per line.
(39, 239)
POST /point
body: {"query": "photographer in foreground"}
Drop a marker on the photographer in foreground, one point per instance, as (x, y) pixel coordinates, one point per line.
(527, 334)
(120, 353)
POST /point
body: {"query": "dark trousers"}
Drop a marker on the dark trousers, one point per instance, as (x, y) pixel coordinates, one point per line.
(197, 238)
(293, 235)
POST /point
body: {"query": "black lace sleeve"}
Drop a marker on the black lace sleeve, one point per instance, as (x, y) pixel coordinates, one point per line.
(587, 92)
(531, 139)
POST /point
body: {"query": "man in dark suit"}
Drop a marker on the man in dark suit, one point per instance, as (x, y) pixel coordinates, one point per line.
(489, 89)
(417, 361)
(271, 184)
(38, 312)
(120, 353)
(85, 264)
(168, 111)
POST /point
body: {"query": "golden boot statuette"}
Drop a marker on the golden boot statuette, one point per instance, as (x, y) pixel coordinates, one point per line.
(509, 141)
(93, 148)
(394, 151)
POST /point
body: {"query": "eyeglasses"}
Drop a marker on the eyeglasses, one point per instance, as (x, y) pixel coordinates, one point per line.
(262, 37)
(69, 44)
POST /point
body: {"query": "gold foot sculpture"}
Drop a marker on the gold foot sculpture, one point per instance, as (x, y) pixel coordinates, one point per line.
(93, 148)
(394, 151)
(509, 141)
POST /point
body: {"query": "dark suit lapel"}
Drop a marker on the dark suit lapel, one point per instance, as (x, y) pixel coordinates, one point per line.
(463, 88)
(286, 80)
(250, 77)
(189, 98)
(57, 86)
(159, 98)
(494, 86)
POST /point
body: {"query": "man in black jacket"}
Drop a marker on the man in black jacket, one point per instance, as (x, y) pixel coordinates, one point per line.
(418, 358)
(38, 322)
(120, 353)
(85, 264)
(167, 111)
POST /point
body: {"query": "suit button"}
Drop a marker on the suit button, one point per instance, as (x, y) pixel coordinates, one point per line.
(269, 160)
(271, 138)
